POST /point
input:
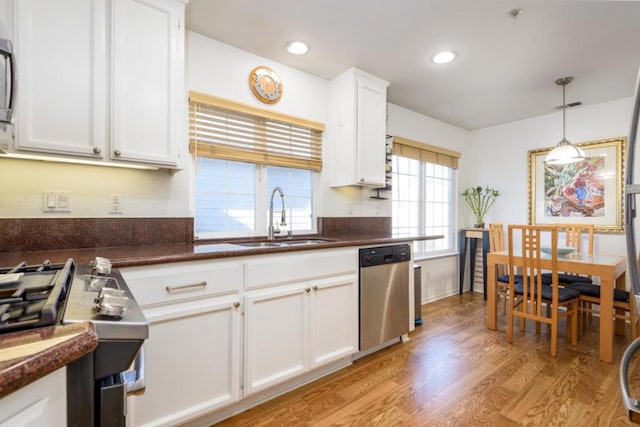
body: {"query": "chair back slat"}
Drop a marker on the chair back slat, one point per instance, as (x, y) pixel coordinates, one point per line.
(574, 236)
(531, 244)
(496, 243)
(527, 305)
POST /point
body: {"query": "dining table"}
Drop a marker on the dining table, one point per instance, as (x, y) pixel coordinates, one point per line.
(610, 269)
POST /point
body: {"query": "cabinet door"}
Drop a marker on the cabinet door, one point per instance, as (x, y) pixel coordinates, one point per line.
(371, 132)
(334, 319)
(148, 80)
(61, 97)
(192, 362)
(276, 336)
(42, 403)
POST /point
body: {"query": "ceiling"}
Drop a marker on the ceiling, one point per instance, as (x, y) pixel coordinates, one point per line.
(505, 69)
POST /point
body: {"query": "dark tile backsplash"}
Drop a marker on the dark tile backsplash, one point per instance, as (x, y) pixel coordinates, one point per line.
(38, 234)
(354, 227)
(34, 234)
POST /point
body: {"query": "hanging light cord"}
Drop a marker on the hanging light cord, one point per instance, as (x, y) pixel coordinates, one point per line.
(564, 81)
(564, 112)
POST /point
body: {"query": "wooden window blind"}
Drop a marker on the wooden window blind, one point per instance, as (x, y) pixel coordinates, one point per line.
(223, 129)
(427, 153)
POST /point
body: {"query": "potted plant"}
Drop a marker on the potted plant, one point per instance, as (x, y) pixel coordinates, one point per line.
(480, 200)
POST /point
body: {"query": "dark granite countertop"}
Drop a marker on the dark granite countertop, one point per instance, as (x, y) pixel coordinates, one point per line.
(30, 355)
(127, 256)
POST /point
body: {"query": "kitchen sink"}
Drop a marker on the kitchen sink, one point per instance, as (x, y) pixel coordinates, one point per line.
(281, 243)
(301, 242)
(259, 244)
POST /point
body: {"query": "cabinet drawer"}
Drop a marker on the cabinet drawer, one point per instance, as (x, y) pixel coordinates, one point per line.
(180, 281)
(280, 269)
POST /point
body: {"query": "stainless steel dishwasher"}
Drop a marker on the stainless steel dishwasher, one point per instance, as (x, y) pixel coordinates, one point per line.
(384, 294)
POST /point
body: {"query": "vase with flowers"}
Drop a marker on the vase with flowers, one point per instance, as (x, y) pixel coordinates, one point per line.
(480, 201)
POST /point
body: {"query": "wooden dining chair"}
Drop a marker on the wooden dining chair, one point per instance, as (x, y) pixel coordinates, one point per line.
(574, 237)
(496, 243)
(623, 304)
(560, 302)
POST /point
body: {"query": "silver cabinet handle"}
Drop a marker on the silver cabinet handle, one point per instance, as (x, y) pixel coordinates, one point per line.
(236, 304)
(315, 288)
(117, 153)
(307, 289)
(191, 287)
(97, 150)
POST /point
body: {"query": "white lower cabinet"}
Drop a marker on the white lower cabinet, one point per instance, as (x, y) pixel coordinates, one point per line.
(192, 355)
(277, 335)
(292, 329)
(333, 319)
(192, 360)
(223, 330)
(42, 403)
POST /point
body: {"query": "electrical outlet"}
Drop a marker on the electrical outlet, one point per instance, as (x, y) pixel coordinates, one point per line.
(115, 204)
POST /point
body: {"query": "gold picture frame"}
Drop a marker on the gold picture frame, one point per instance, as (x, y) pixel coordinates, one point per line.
(587, 192)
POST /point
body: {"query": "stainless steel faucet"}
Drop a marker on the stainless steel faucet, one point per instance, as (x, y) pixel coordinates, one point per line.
(283, 218)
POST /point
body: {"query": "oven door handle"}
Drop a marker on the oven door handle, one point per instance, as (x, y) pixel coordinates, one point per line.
(134, 380)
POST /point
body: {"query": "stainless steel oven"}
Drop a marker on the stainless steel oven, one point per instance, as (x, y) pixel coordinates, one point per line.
(97, 384)
(34, 296)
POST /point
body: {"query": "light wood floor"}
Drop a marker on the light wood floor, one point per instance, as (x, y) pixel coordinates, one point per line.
(456, 372)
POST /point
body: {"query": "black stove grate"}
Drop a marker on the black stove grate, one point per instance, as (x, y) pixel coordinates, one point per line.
(37, 297)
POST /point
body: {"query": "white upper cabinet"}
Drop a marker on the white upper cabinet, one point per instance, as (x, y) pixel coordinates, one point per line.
(356, 132)
(100, 79)
(62, 76)
(148, 80)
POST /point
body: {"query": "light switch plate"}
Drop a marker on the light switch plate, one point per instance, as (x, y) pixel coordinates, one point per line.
(56, 201)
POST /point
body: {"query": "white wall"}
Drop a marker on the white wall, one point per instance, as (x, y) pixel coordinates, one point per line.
(213, 68)
(218, 69)
(498, 157)
(144, 193)
(222, 70)
(439, 275)
(501, 155)
(495, 156)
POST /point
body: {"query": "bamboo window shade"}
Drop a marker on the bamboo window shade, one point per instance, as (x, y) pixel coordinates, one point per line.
(228, 130)
(424, 152)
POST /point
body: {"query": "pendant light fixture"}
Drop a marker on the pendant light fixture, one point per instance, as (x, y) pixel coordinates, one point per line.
(565, 152)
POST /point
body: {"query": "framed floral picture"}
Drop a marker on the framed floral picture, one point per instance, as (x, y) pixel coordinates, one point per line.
(586, 192)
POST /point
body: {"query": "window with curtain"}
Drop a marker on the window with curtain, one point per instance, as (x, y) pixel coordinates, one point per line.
(242, 153)
(423, 194)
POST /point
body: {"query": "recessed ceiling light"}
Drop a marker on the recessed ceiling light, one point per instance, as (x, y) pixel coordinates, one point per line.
(297, 47)
(444, 57)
